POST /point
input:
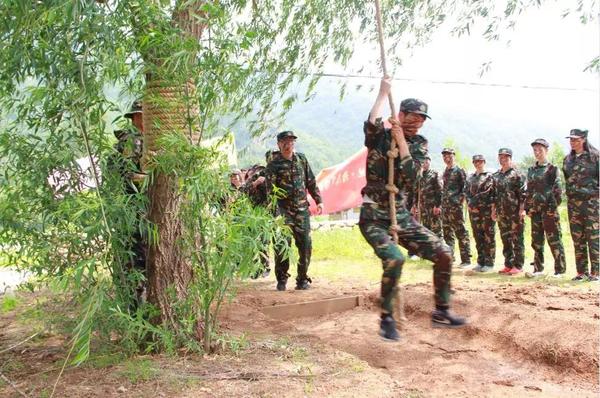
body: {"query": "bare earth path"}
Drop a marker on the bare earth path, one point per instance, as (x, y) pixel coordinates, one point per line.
(528, 340)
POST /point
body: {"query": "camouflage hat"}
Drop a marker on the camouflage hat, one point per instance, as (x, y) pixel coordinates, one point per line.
(136, 107)
(577, 133)
(448, 150)
(427, 157)
(505, 151)
(478, 157)
(542, 142)
(413, 105)
(286, 134)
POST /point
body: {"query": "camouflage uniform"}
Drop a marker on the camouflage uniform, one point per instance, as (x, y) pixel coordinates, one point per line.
(542, 200)
(480, 198)
(259, 196)
(427, 196)
(125, 162)
(375, 222)
(581, 175)
(294, 177)
(453, 221)
(509, 195)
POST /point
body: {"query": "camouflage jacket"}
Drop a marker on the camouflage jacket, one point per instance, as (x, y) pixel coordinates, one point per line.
(259, 195)
(453, 193)
(510, 192)
(293, 177)
(480, 190)
(581, 175)
(543, 188)
(407, 170)
(428, 191)
(126, 159)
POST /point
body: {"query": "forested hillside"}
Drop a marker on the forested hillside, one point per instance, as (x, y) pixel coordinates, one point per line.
(476, 119)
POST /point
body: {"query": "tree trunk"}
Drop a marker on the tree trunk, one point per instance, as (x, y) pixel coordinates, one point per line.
(165, 110)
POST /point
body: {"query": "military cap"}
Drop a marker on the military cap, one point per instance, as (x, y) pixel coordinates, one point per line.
(285, 134)
(123, 135)
(427, 157)
(505, 151)
(478, 157)
(136, 107)
(413, 105)
(542, 142)
(448, 150)
(577, 133)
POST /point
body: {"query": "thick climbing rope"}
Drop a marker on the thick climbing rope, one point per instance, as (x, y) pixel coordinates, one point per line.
(392, 154)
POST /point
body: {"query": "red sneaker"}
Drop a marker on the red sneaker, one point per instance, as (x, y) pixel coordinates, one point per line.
(505, 270)
(514, 271)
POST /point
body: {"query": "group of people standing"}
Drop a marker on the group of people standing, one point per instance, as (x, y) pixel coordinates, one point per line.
(507, 197)
(429, 209)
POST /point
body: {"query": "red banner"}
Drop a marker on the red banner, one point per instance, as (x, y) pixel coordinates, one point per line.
(340, 185)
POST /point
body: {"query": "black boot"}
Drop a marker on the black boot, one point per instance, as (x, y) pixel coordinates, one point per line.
(387, 329)
(281, 285)
(441, 318)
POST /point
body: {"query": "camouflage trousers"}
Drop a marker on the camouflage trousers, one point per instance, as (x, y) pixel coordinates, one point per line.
(374, 225)
(453, 224)
(484, 232)
(299, 222)
(513, 244)
(583, 219)
(547, 223)
(432, 222)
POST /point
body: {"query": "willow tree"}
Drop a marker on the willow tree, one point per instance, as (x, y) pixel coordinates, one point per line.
(195, 64)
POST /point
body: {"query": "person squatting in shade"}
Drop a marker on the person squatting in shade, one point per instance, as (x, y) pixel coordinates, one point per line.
(374, 219)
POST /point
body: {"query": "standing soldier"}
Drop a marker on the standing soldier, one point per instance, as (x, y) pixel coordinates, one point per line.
(480, 202)
(453, 196)
(428, 202)
(290, 172)
(126, 163)
(375, 221)
(509, 212)
(581, 174)
(256, 189)
(541, 204)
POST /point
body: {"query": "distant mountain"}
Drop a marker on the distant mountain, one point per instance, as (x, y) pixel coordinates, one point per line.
(477, 119)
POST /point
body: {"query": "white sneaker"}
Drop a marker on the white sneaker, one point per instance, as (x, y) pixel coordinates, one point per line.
(534, 274)
(557, 276)
(465, 266)
(414, 257)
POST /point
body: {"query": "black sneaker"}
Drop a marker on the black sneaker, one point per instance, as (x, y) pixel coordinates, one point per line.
(303, 285)
(281, 285)
(593, 278)
(387, 329)
(443, 319)
(580, 276)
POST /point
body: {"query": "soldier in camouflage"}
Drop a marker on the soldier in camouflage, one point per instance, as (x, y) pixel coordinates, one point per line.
(480, 201)
(453, 197)
(427, 204)
(543, 196)
(126, 162)
(580, 167)
(374, 219)
(256, 190)
(509, 212)
(290, 172)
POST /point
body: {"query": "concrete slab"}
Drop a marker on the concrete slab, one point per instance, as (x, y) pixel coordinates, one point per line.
(313, 308)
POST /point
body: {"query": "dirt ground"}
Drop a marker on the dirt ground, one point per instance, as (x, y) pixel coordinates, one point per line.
(530, 340)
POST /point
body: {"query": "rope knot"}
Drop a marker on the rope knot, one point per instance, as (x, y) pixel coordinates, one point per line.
(392, 188)
(392, 153)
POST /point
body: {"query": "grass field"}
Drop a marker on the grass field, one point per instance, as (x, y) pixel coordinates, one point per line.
(343, 254)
